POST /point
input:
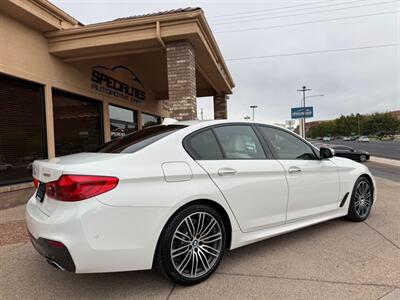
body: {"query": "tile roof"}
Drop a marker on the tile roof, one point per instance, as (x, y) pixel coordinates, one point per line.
(160, 13)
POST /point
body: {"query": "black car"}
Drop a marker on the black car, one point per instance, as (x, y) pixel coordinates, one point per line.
(348, 152)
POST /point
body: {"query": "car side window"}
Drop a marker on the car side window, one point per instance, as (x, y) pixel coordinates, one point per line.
(341, 148)
(204, 146)
(286, 145)
(239, 142)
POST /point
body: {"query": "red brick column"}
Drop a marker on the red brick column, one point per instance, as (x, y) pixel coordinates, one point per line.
(181, 80)
(220, 106)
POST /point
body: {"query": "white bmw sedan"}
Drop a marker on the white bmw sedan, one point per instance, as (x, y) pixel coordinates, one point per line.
(178, 196)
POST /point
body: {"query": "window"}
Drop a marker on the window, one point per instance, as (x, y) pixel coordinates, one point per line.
(150, 120)
(204, 146)
(341, 148)
(239, 142)
(136, 141)
(122, 121)
(78, 123)
(22, 129)
(287, 145)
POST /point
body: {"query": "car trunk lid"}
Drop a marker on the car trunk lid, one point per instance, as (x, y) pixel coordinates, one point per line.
(49, 170)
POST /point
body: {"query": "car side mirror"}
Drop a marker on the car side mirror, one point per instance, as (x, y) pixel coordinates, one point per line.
(325, 153)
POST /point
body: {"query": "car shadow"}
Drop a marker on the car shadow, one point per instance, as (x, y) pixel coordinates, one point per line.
(46, 281)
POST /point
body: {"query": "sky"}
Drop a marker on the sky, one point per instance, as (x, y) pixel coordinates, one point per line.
(267, 45)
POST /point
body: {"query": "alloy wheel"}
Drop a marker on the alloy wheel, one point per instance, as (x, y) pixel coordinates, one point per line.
(196, 245)
(363, 198)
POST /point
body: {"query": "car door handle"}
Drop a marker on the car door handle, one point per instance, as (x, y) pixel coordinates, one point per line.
(294, 170)
(226, 171)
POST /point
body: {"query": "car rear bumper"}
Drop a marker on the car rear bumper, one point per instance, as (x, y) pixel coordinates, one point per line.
(58, 256)
(97, 237)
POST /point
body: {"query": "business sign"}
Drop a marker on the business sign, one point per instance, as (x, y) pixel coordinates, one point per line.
(302, 112)
(118, 82)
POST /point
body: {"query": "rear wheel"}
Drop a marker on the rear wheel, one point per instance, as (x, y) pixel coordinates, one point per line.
(361, 200)
(192, 244)
(363, 158)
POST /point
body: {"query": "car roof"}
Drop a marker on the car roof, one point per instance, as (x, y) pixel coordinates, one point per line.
(205, 123)
(194, 125)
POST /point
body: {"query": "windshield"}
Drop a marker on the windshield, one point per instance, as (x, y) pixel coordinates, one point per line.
(135, 141)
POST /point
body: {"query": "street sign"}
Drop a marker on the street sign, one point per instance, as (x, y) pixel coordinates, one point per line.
(300, 112)
(290, 122)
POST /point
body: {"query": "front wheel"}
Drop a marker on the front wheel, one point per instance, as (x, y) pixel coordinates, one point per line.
(363, 158)
(192, 245)
(361, 200)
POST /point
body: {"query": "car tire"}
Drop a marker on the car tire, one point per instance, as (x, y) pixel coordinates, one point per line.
(191, 245)
(361, 200)
(363, 158)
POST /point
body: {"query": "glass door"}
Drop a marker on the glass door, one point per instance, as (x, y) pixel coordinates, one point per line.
(122, 121)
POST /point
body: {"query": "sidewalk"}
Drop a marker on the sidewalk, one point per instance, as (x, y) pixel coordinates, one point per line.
(12, 226)
(386, 161)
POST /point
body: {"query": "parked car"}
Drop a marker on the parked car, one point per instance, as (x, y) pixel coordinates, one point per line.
(353, 137)
(177, 196)
(348, 152)
(386, 138)
(326, 138)
(363, 139)
(346, 138)
(320, 145)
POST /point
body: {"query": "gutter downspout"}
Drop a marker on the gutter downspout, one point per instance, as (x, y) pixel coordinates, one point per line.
(158, 33)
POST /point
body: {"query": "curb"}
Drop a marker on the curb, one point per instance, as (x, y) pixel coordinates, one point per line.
(386, 161)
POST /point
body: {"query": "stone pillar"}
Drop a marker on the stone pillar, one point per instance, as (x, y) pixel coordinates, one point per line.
(220, 106)
(181, 70)
(48, 100)
(106, 122)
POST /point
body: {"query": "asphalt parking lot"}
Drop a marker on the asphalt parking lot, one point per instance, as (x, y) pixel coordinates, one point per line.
(333, 260)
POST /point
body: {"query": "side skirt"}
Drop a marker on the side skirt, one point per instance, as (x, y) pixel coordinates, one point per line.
(240, 239)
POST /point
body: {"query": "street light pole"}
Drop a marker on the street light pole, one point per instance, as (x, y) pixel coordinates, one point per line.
(253, 107)
(303, 124)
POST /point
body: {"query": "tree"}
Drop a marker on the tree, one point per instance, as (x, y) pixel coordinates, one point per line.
(381, 124)
(375, 124)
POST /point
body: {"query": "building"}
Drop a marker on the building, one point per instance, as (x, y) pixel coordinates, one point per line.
(66, 87)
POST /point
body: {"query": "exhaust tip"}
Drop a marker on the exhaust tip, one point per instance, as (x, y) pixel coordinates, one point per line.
(56, 265)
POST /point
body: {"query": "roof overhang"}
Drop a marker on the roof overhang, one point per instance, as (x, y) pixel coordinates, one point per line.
(142, 35)
(39, 14)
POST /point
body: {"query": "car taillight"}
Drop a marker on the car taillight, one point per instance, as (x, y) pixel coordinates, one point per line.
(35, 182)
(79, 187)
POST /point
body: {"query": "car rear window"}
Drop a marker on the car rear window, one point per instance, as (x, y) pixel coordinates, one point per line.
(136, 141)
(204, 146)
